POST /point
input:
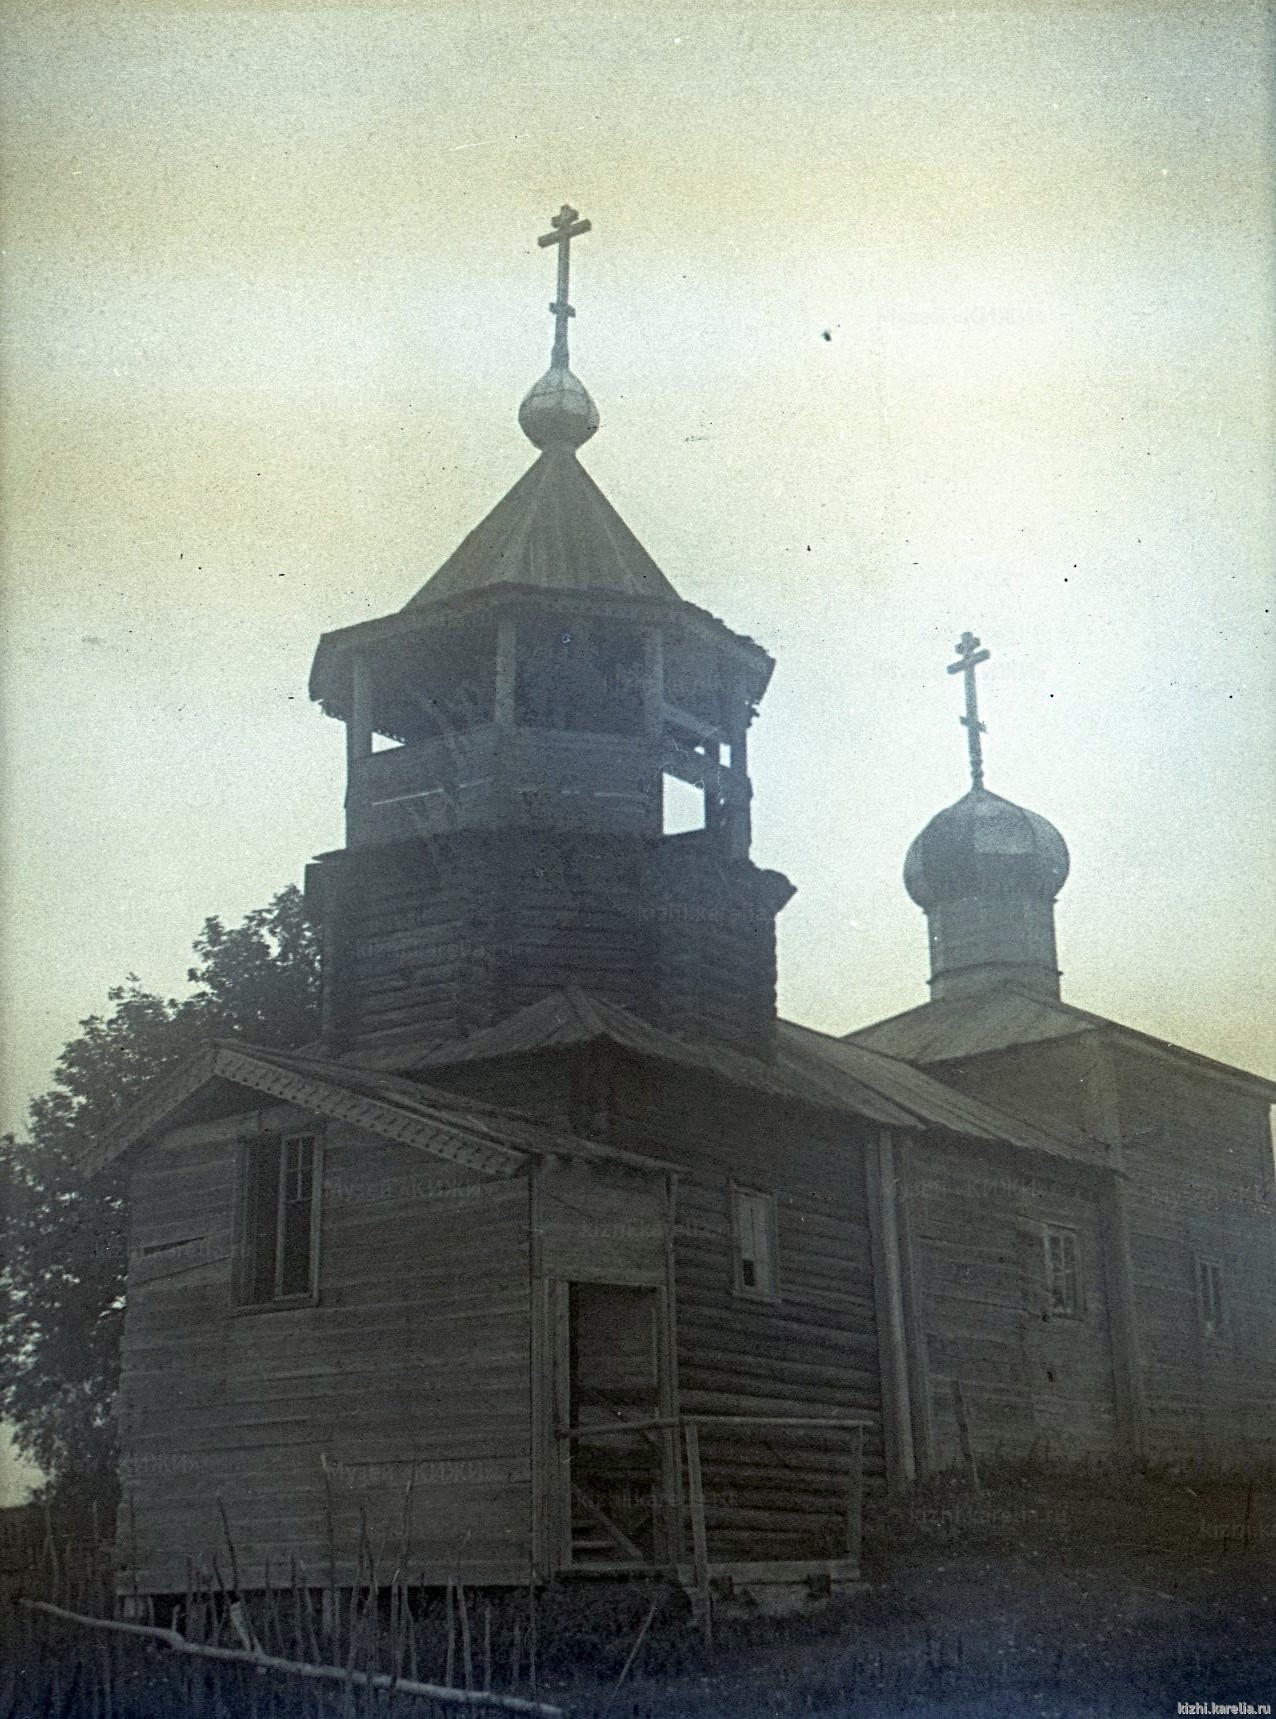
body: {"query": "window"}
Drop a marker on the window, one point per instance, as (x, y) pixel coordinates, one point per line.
(1209, 1296)
(683, 806)
(1063, 1271)
(753, 1222)
(278, 1220)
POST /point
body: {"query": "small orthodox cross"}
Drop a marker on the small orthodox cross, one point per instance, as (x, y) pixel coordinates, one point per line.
(969, 657)
(567, 226)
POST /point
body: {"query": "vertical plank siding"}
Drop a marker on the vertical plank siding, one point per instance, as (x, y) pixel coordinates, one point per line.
(413, 1362)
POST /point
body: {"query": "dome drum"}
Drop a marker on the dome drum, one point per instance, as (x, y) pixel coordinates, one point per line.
(987, 873)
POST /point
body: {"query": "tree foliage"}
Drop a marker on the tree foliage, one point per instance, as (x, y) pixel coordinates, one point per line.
(62, 1281)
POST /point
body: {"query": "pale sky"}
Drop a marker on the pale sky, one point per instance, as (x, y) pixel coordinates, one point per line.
(271, 298)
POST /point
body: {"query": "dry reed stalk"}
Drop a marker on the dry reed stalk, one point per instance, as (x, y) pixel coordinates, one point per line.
(633, 1653)
(516, 1653)
(487, 1644)
(449, 1672)
(272, 1627)
(132, 1549)
(51, 1550)
(467, 1656)
(531, 1632)
(413, 1666)
(262, 1662)
(334, 1615)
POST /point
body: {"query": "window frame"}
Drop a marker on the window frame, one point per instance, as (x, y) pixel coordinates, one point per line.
(1209, 1270)
(753, 1292)
(245, 1241)
(1065, 1233)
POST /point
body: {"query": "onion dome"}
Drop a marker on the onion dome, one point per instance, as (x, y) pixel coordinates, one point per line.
(558, 411)
(985, 846)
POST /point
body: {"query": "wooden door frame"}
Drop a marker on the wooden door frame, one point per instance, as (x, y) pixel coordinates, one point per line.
(553, 1309)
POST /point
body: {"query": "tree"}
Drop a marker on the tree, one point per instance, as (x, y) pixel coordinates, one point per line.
(62, 1282)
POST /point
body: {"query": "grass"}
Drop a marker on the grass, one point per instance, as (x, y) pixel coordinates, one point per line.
(1062, 1594)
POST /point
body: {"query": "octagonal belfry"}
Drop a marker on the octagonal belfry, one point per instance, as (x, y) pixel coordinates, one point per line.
(516, 725)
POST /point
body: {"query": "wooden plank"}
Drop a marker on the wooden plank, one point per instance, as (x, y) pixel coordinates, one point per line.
(670, 1398)
(963, 1433)
(560, 1310)
(540, 1362)
(703, 1598)
(1127, 1364)
(912, 1293)
(892, 1342)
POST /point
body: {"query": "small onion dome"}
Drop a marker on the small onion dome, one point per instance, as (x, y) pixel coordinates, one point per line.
(557, 411)
(984, 845)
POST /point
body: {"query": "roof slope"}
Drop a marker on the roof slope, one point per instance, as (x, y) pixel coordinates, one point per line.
(808, 1066)
(459, 1129)
(555, 529)
(1006, 1016)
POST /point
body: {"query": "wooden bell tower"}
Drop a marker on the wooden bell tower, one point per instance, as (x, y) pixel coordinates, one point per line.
(510, 735)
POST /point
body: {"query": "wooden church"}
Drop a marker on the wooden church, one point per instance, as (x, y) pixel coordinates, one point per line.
(560, 1252)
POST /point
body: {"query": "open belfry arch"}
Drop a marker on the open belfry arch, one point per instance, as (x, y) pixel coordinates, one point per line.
(559, 1253)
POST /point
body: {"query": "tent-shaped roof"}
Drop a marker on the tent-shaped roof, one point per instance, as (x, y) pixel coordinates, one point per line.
(554, 530)
(1008, 1015)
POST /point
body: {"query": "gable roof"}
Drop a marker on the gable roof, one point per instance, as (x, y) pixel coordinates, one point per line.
(460, 1130)
(809, 1066)
(1007, 1016)
(554, 530)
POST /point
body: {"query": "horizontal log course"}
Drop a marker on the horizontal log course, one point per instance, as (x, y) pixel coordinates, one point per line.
(810, 1341)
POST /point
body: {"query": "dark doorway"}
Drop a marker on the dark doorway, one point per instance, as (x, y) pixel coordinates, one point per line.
(614, 1378)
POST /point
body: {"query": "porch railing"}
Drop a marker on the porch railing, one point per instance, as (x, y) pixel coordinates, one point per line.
(687, 1429)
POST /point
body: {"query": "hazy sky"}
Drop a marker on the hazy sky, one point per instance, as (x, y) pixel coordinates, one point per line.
(901, 320)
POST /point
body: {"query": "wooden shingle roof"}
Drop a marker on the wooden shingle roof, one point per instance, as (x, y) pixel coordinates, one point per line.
(555, 530)
(1000, 1018)
(459, 1130)
(809, 1066)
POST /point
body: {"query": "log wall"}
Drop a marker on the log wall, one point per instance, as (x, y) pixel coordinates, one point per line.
(811, 1351)
(1034, 1382)
(1199, 1158)
(457, 932)
(416, 1353)
(1194, 1156)
(1053, 1082)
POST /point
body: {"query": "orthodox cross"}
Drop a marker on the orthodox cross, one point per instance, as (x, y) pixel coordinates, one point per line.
(969, 657)
(567, 226)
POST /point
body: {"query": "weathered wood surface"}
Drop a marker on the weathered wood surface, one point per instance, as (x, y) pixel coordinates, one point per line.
(458, 930)
(1051, 1082)
(1198, 1155)
(413, 1363)
(1193, 1148)
(1033, 1380)
(769, 1492)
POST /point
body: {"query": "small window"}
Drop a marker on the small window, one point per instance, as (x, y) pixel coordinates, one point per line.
(278, 1220)
(683, 806)
(753, 1218)
(1063, 1271)
(1209, 1296)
